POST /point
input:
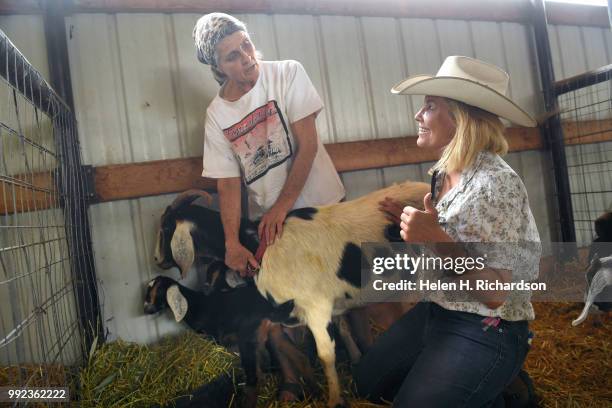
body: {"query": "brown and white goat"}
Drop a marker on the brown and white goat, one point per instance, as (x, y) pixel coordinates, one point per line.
(315, 264)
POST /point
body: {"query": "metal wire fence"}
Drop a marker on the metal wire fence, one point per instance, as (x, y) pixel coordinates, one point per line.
(585, 105)
(48, 300)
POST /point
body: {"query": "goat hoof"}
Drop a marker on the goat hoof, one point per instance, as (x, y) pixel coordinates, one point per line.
(288, 392)
(286, 396)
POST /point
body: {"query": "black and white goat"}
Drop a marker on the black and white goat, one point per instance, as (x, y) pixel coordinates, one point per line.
(241, 315)
(599, 272)
(313, 266)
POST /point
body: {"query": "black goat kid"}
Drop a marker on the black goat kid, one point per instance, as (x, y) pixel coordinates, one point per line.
(240, 315)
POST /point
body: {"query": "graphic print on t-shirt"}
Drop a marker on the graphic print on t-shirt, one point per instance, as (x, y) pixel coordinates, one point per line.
(260, 141)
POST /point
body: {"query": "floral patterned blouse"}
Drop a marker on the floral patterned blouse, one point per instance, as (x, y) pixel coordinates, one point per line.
(490, 205)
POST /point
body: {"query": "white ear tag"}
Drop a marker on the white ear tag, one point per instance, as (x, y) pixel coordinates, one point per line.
(177, 302)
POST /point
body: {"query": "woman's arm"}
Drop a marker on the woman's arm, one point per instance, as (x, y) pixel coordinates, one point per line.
(236, 255)
(305, 134)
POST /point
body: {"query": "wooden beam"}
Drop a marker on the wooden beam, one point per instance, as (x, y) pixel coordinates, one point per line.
(123, 181)
(577, 14)
(491, 10)
(24, 193)
(20, 7)
(376, 154)
(472, 10)
(135, 180)
(589, 78)
(588, 131)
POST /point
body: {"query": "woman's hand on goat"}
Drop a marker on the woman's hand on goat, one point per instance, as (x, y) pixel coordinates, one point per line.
(271, 224)
(237, 257)
(392, 209)
(422, 226)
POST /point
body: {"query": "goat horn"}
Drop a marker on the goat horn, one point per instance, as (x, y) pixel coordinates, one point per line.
(189, 196)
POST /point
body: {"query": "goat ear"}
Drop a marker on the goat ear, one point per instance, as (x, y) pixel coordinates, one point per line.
(182, 246)
(177, 302)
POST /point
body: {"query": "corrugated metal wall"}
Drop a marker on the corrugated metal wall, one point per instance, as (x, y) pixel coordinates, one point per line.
(141, 95)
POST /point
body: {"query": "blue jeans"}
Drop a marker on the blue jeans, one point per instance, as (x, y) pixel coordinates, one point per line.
(433, 357)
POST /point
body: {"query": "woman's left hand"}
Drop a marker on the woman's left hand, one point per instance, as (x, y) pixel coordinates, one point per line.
(271, 224)
(422, 226)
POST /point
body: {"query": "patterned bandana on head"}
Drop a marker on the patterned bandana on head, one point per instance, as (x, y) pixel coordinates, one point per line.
(210, 30)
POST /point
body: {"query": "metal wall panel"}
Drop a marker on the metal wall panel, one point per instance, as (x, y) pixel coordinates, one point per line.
(576, 50)
(141, 95)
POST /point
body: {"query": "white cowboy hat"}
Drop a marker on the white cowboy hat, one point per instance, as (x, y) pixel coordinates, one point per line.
(471, 81)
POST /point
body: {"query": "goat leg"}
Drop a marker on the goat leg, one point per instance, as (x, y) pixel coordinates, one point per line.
(248, 360)
(293, 364)
(346, 335)
(319, 321)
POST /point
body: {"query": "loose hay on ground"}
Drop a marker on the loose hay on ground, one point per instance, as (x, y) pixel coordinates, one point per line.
(121, 374)
(35, 375)
(570, 366)
(268, 392)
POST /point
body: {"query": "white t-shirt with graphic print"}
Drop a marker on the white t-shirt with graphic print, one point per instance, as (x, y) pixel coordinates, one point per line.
(251, 138)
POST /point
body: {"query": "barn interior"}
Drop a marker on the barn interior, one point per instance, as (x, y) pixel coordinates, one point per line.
(102, 125)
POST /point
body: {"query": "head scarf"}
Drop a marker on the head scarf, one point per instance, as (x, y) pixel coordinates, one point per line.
(210, 30)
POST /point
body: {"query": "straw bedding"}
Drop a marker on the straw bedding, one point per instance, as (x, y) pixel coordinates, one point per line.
(570, 367)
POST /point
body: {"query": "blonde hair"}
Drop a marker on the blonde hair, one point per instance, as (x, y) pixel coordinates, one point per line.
(476, 130)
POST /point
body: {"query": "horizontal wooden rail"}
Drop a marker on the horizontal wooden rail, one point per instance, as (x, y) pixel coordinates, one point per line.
(589, 78)
(588, 131)
(472, 10)
(116, 182)
(122, 181)
(24, 193)
(135, 180)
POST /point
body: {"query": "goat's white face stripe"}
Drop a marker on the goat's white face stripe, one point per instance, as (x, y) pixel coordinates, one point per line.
(151, 283)
(183, 250)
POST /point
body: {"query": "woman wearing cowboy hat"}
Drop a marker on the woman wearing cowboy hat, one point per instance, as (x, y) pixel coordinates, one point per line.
(449, 352)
